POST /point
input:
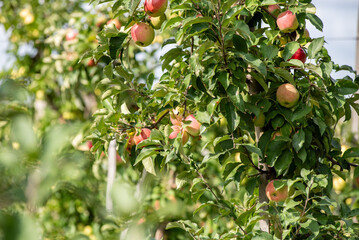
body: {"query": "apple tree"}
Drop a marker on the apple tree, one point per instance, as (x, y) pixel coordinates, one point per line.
(211, 119)
(254, 100)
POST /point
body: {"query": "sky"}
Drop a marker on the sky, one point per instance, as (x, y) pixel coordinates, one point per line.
(340, 28)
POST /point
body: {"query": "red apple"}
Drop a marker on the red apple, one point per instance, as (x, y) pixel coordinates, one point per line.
(287, 22)
(71, 34)
(145, 133)
(115, 22)
(91, 62)
(194, 127)
(287, 95)
(300, 55)
(155, 8)
(89, 144)
(142, 34)
(274, 9)
(276, 195)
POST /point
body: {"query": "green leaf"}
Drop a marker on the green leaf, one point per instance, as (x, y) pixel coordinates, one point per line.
(126, 74)
(235, 96)
(223, 78)
(301, 112)
(289, 49)
(315, 47)
(283, 162)
(169, 56)
(231, 116)
(298, 140)
(116, 44)
(253, 149)
(146, 152)
(351, 152)
(240, 43)
(313, 226)
(149, 165)
(346, 86)
(284, 74)
(315, 21)
(269, 51)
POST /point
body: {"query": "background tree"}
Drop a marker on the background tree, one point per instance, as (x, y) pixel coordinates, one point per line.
(244, 96)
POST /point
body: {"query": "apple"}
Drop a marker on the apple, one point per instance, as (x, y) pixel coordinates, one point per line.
(338, 184)
(287, 22)
(27, 16)
(276, 195)
(157, 21)
(91, 62)
(260, 120)
(71, 34)
(89, 144)
(100, 21)
(114, 22)
(287, 95)
(194, 127)
(145, 133)
(155, 8)
(300, 55)
(274, 9)
(142, 34)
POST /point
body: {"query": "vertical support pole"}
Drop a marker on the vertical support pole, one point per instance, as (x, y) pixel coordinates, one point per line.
(111, 174)
(355, 118)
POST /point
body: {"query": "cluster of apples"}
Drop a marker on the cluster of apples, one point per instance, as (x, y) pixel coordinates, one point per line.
(143, 33)
(287, 22)
(192, 128)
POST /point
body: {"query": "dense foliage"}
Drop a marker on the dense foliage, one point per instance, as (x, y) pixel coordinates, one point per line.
(206, 91)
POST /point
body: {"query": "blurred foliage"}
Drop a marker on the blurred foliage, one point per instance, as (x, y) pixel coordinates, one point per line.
(77, 83)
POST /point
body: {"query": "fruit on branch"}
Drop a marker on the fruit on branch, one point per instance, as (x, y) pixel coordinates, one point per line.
(287, 22)
(91, 62)
(186, 130)
(157, 21)
(338, 184)
(142, 34)
(71, 34)
(114, 22)
(260, 120)
(100, 21)
(155, 8)
(276, 195)
(287, 95)
(274, 9)
(300, 55)
(194, 127)
(27, 16)
(145, 133)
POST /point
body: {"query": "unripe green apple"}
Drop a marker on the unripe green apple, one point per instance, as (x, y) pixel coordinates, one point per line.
(142, 34)
(260, 120)
(338, 184)
(276, 195)
(157, 21)
(287, 22)
(287, 95)
(155, 8)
